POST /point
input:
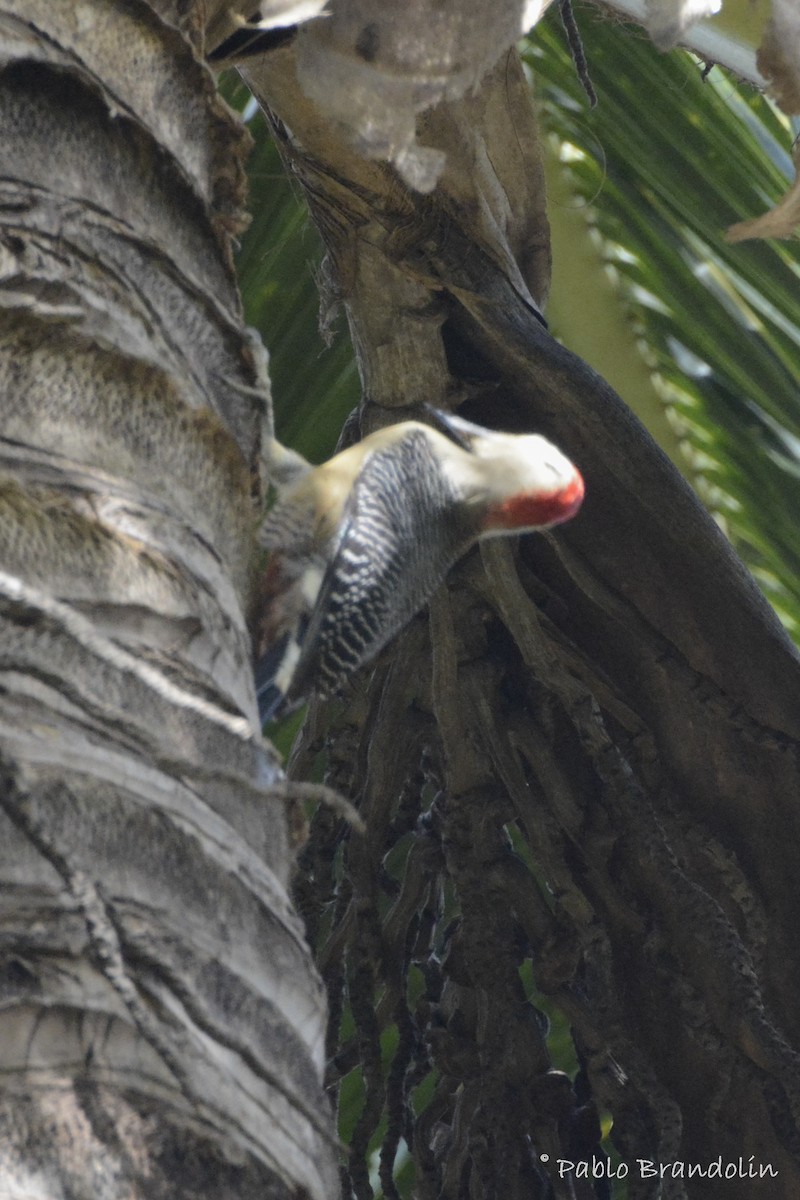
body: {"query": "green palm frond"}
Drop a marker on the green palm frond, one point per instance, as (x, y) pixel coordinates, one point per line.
(665, 163)
(314, 385)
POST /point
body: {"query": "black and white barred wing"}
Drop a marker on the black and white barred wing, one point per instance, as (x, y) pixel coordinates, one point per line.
(401, 532)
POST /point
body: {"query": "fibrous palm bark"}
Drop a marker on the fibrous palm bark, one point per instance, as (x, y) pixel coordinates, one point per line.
(161, 1023)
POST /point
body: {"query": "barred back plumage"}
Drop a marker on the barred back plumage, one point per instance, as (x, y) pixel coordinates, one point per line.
(359, 544)
(403, 528)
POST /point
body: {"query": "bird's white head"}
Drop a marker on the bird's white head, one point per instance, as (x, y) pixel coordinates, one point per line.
(525, 481)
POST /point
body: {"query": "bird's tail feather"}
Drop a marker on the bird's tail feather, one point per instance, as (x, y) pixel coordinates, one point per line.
(274, 672)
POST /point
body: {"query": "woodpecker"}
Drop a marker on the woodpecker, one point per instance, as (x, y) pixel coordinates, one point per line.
(358, 545)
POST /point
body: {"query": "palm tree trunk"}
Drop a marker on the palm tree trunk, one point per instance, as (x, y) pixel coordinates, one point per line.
(162, 1025)
(587, 767)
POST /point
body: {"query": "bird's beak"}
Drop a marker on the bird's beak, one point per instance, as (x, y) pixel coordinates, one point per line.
(462, 432)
